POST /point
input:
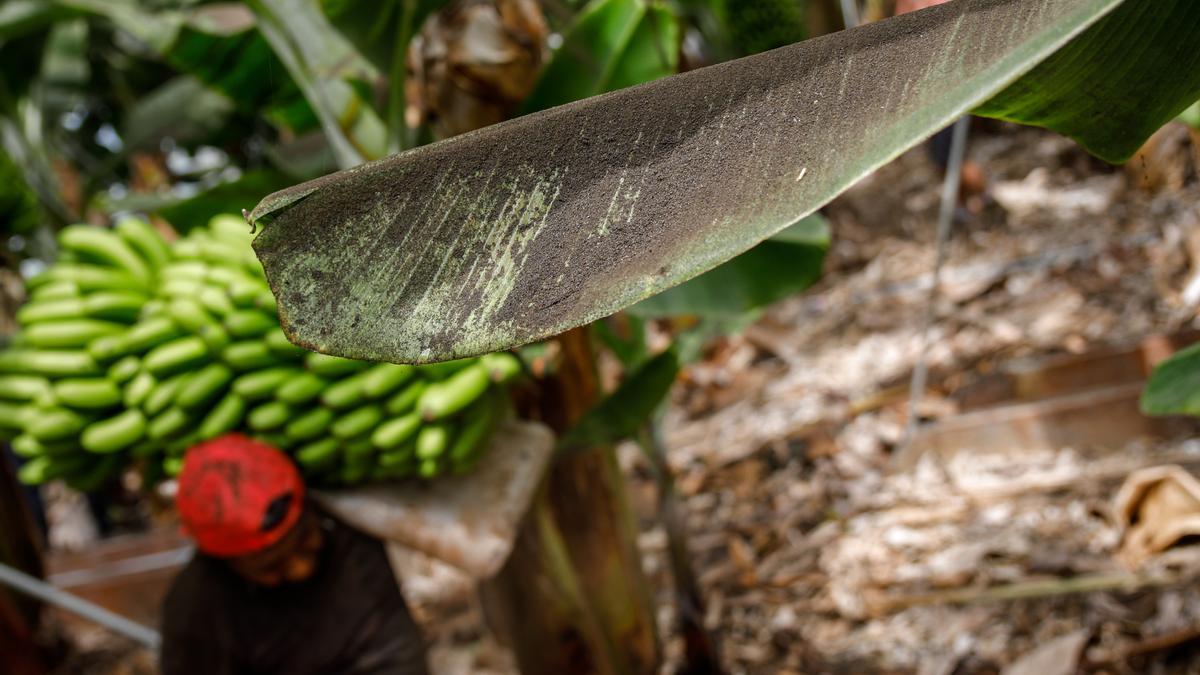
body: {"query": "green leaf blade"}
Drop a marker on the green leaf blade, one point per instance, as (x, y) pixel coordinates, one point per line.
(523, 230)
(623, 412)
(1146, 52)
(1174, 386)
(783, 265)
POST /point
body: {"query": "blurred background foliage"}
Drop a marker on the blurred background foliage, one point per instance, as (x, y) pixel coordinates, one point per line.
(182, 109)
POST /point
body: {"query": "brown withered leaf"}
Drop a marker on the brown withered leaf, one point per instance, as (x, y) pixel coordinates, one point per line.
(1157, 506)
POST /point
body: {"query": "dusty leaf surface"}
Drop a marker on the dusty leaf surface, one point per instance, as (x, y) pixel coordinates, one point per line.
(525, 229)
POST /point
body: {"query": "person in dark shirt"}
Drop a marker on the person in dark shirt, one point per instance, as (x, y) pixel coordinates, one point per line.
(277, 585)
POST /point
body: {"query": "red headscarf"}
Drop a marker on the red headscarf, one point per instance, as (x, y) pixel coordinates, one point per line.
(237, 495)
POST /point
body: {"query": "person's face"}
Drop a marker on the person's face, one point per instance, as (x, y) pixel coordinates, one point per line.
(290, 560)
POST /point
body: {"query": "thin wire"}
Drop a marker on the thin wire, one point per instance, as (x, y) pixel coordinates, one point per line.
(77, 605)
(958, 150)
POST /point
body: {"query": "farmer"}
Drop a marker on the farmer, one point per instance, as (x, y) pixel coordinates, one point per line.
(277, 585)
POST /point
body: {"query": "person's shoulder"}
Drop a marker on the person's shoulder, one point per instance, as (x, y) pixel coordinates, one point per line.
(198, 584)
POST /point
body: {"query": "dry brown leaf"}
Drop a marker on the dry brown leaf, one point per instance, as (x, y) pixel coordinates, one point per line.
(473, 63)
(1156, 507)
(1059, 656)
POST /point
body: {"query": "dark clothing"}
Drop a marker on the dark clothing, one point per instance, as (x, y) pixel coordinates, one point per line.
(349, 617)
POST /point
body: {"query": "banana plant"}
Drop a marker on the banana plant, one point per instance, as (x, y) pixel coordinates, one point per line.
(528, 228)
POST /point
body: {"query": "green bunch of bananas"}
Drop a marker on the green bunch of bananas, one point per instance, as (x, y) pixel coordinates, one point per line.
(132, 350)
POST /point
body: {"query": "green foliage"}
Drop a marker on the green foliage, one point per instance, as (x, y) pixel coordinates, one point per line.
(1174, 386)
(611, 45)
(380, 29)
(1116, 84)
(783, 265)
(621, 414)
(19, 211)
(754, 26)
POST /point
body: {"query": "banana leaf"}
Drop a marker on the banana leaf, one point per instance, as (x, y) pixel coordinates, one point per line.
(528, 228)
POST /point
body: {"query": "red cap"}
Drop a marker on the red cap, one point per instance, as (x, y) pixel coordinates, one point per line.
(237, 495)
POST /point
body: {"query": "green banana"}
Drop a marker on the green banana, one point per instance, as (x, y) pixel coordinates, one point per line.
(23, 387)
(394, 432)
(432, 441)
(215, 336)
(248, 355)
(13, 416)
(97, 392)
(262, 383)
(185, 269)
(352, 474)
(216, 301)
(332, 366)
(176, 355)
(88, 277)
(269, 416)
(440, 371)
(163, 393)
(51, 363)
(54, 424)
(137, 389)
(188, 314)
(144, 336)
(51, 310)
(278, 343)
(266, 300)
(143, 238)
(167, 423)
(227, 227)
(224, 416)
(172, 466)
(309, 425)
(358, 422)
(429, 468)
(384, 378)
(473, 434)
(407, 398)
(243, 292)
(115, 433)
(301, 389)
(344, 393)
(455, 393)
(208, 383)
(105, 246)
(27, 446)
(69, 333)
(123, 306)
(182, 287)
(124, 369)
(502, 367)
(248, 323)
(402, 456)
(318, 454)
(54, 290)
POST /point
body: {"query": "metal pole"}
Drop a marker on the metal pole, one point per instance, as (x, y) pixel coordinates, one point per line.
(850, 13)
(958, 150)
(77, 605)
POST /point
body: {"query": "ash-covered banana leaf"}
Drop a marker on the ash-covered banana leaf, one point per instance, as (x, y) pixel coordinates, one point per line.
(523, 230)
